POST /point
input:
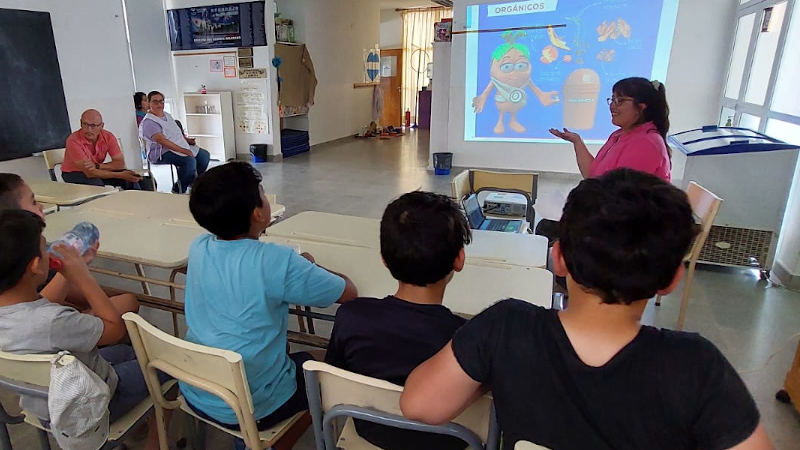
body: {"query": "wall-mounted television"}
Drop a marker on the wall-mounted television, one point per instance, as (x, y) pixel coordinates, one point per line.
(218, 26)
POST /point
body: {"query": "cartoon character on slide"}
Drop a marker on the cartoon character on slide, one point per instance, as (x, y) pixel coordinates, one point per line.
(510, 75)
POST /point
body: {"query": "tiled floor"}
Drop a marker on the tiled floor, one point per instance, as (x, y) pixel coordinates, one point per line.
(753, 322)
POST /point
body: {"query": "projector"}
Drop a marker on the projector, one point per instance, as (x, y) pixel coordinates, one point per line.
(505, 204)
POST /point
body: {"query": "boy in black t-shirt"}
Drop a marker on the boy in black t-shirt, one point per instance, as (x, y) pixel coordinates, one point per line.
(592, 376)
(422, 244)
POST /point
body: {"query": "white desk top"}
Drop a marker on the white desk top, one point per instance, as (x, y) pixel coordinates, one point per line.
(144, 205)
(328, 227)
(153, 205)
(503, 248)
(136, 226)
(143, 241)
(67, 194)
(471, 290)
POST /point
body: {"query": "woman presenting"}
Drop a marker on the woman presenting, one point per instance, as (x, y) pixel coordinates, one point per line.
(639, 108)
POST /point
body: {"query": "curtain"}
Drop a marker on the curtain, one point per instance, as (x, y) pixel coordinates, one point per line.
(418, 52)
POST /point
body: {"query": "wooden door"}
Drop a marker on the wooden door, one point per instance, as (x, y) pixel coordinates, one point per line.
(392, 65)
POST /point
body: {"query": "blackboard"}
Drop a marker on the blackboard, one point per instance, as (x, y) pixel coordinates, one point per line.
(33, 116)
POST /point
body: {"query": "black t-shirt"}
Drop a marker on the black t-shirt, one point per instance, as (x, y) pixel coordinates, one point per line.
(387, 338)
(665, 389)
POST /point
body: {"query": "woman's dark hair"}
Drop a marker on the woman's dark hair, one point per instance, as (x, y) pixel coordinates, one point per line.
(137, 100)
(152, 94)
(624, 234)
(652, 94)
(223, 199)
(422, 234)
(20, 240)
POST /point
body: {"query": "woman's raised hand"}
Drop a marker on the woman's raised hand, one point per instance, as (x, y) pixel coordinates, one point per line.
(566, 135)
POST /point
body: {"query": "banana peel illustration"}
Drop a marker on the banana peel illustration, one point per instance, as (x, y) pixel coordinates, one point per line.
(555, 40)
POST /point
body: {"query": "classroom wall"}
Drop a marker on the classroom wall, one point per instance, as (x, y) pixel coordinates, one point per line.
(193, 70)
(95, 66)
(336, 32)
(391, 29)
(698, 63)
(150, 48)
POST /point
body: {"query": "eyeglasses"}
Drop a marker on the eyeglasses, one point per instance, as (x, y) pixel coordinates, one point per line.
(616, 101)
(509, 67)
(157, 101)
(91, 126)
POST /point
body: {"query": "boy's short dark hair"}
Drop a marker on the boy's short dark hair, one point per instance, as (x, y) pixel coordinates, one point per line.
(9, 191)
(623, 235)
(421, 235)
(224, 197)
(20, 238)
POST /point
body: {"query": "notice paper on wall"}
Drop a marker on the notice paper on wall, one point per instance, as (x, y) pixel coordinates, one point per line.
(251, 117)
(520, 83)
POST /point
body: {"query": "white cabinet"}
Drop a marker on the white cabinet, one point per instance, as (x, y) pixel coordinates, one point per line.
(209, 119)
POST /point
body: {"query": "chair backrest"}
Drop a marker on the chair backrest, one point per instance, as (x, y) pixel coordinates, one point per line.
(525, 445)
(52, 158)
(220, 372)
(459, 186)
(336, 392)
(27, 374)
(523, 183)
(143, 148)
(705, 205)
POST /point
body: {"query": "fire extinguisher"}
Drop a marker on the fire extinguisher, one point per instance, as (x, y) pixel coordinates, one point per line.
(408, 118)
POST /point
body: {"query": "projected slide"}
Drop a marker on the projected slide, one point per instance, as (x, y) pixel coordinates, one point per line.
(520, 83)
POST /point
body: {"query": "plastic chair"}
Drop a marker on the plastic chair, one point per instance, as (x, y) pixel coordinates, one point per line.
(52, 158)
(475, 181)
(30, 375)
(173, 171)
(334, 392)
(705, 206)
(525, 445)
(219, 372)
(277, 210)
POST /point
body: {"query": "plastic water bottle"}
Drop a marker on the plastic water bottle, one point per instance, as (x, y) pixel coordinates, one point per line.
(82, 237)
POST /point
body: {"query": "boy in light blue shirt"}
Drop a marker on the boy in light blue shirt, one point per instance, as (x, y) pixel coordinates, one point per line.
(238, 292)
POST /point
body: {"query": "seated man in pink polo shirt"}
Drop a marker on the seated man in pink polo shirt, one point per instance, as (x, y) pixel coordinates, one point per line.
(86, 152)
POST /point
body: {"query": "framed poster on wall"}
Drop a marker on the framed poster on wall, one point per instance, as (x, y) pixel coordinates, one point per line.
(218, 26)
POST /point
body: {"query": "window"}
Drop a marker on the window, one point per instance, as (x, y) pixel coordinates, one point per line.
(786, 99)
(743, 31)
(764, 56)
(760, 90)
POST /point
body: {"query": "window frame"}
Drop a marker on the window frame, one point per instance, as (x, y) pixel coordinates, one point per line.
(739, 105)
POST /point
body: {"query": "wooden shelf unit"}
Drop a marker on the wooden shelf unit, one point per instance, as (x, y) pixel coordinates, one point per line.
(213, 131)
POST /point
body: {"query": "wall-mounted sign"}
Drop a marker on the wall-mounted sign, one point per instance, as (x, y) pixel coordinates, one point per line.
(259, 72)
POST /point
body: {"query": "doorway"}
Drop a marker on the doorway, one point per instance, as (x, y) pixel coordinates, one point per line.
(391, 84)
